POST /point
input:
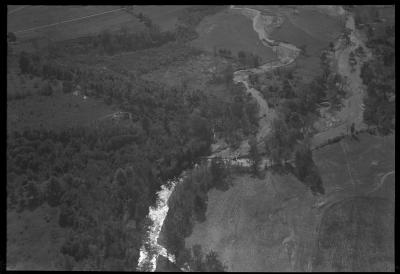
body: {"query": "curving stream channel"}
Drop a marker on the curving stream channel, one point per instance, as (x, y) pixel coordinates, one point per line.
(286, 54)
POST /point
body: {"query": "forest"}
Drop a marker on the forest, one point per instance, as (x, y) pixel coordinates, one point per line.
(104, 177)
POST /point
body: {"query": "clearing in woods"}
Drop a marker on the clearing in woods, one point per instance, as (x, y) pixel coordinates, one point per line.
(232, 31)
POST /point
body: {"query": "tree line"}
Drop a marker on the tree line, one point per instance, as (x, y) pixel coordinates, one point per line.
(378, 74)
(188, 205)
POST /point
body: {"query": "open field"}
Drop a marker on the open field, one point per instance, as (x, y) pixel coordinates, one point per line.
(313, 30)
(76, 25)
(356, 235)
(273, 224)
(57, 111)
(356, 165)
(163, 15)
(231, 31)
(250, 224)
(34, 239)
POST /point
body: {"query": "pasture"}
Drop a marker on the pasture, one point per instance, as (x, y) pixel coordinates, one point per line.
(35, 17)
(274, 224)
(163, 15)
(248, 224)
(34, 239)
(227, 30)
(57, 111)
(311, 29)
(355, 165)
(356, 235)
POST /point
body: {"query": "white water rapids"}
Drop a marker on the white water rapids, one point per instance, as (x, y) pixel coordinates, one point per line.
(286, 53)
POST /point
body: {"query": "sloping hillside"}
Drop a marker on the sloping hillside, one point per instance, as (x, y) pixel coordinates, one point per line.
(227, 30)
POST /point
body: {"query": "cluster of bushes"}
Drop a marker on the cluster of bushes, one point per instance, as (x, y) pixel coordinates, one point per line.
(306, 170)
(44, 88)
(328, 87)
(378, 75)
(248, 59)
(190, 17)
(147, 60)
(226, 53)
(297, 108)
(111, 43)
(245, 59)
(195, 260)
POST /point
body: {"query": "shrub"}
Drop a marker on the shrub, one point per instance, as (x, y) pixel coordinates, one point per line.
(75, 247)
(66, 217)
(24, 63)
(46, 90)
(67, 86)
(11, 37)
(54, 192)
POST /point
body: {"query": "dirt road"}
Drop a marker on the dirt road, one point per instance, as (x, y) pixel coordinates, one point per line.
(68, 21)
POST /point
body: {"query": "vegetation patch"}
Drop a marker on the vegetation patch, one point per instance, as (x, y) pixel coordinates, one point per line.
(311, 31)
(359, 162)
(378, 75)
(356, 235)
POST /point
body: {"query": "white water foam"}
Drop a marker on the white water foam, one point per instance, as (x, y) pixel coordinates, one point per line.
(159, 213)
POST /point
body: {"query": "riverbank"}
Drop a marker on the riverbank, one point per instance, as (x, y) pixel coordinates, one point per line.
(148, 259)
(292, 247)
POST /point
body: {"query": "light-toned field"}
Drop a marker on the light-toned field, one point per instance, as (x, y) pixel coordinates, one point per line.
(249, 224)
(231, 31)
(163, 15)
(356, 165)
(273, 224)
(358, 233)
(33, 243)
(57, 111)
(313, 29)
